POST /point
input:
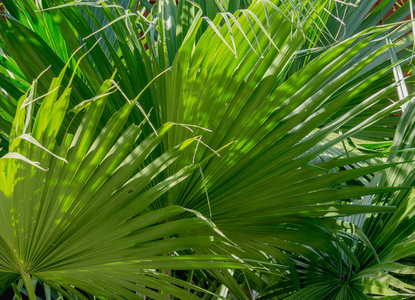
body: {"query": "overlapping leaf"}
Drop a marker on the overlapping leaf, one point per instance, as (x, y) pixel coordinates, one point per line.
(73, 212)
(266, 193)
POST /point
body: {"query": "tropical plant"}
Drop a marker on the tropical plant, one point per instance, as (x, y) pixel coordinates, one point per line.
(113, 211)
(59, 230)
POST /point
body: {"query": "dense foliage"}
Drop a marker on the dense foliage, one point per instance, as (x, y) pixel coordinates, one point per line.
(207, 149)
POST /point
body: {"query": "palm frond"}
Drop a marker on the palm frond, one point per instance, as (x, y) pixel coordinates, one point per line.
(79, 216)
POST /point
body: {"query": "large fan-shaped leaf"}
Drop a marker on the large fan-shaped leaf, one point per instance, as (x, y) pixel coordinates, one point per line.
(77, 217)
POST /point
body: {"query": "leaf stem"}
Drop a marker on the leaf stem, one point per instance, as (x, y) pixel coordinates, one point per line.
(28, 285)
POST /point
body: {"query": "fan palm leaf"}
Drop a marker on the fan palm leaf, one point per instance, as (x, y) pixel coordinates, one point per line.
(263, 191)
(232, 86)
(79, 212)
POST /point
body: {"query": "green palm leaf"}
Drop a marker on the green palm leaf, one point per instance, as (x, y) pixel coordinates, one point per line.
(73, 221)
(237, 84)
(262, 191)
